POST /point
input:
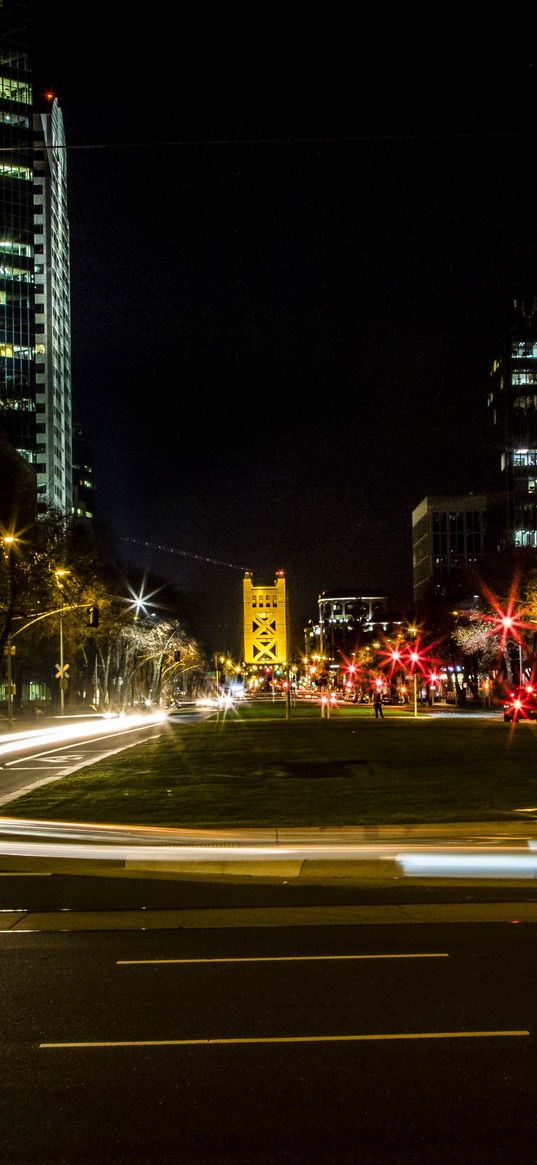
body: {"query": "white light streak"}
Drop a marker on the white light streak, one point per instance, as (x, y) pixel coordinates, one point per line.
(17, 742)
(444, 864)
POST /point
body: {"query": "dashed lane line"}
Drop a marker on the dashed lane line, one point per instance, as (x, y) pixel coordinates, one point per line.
(229, 1041)
(277, 959)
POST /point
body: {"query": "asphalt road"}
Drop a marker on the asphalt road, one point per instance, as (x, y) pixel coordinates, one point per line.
(43, 761)
(301, 1044)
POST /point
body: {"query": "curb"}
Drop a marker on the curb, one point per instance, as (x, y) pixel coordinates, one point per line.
(510, 913)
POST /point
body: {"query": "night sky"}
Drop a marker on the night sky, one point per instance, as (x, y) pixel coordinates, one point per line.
(288, 287)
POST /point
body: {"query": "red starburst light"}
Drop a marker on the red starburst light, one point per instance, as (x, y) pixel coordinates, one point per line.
(505, 623)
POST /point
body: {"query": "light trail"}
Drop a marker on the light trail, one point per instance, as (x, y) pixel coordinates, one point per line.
(377, 852)
(382, 861)
(19, 741)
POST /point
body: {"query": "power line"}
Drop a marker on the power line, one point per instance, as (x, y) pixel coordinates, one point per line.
(278, 141)
(185, 554)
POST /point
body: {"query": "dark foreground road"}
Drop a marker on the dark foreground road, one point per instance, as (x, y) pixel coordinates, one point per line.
(300, 1044)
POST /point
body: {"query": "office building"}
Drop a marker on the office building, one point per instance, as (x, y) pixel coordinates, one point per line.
(512, 405)
(83, 507)
(341, 616)
(35, 356)
(449, 539)
(347, 622)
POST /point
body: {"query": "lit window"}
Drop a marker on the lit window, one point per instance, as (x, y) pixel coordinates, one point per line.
(524, 349)
(526, 538)
(12, 90)
(14, 119)
(524, 376)
(17, 273)
(9, 169)
(16, 248)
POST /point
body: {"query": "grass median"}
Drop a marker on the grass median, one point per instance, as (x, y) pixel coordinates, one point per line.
(249, 770)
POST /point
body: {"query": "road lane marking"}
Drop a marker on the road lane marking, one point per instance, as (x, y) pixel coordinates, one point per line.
(284, 1039)
(274, 959)
(89, 741)
(92, 758)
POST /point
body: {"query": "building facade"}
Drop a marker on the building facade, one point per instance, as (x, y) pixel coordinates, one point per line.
(512, 405)
(35, 357)
(341, 616)
(449, 535)
(345, 624)
(83, 507)
(266, 621)
(52, 313)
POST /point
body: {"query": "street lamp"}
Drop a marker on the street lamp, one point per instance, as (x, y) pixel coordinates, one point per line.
(9, 540)
(58, 575)
(507, 623)
(414, 659)
(510, 625)
(417, 658)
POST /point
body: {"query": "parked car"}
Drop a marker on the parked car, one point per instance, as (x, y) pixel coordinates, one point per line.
(521, 704)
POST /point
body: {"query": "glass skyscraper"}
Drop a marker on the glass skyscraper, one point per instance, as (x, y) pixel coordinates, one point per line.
(35, 344)
(513, 413)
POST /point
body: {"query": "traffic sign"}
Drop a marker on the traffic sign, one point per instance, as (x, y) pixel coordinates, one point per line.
(61, 672)
(10, 650)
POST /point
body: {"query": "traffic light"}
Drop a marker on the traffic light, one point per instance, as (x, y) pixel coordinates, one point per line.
(92, 616)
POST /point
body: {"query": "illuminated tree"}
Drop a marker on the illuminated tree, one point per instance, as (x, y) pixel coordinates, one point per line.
(479, 648)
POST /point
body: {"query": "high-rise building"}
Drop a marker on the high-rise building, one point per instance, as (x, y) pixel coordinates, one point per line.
(83, 507)
(513, 414)
(448, 537)
(52, 312)
(35, 346)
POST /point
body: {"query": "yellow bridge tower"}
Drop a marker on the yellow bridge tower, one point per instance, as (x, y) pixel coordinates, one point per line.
(266, 623)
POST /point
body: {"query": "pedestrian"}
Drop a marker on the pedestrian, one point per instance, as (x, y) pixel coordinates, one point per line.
(378, 705)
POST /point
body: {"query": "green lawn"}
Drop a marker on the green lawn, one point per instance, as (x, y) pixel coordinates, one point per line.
(266, 771)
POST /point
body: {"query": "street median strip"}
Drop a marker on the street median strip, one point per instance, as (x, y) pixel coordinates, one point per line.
(17, 922)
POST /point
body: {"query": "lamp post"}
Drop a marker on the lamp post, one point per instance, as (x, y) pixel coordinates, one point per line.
(59, 574)
(9, 540)
(414, 659)
(510, 624)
